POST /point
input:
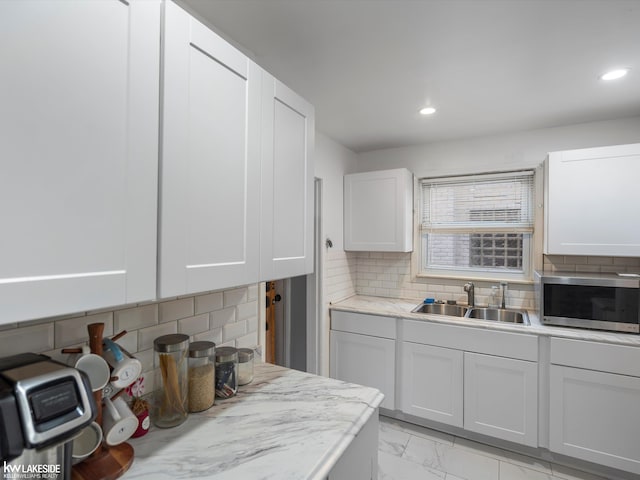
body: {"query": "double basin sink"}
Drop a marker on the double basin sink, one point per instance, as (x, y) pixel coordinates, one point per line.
(480, 313)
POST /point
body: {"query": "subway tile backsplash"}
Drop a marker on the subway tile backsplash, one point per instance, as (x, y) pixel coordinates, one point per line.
(389, 275)
(575, 263)
(225, 317)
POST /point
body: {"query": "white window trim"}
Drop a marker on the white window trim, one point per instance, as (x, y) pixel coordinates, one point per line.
(534, 260)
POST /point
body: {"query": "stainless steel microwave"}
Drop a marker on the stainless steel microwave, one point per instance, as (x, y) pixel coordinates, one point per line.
(598, 301)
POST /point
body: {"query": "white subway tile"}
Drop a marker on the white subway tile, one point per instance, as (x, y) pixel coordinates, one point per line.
(208, 303)
(576, 260)
(247, 341)
(222, 317)
(176, 309)
(252, 292)
(627, 261)
(149, 381)
(134, 318)
(56, 354)
(130, 341)
(193, 325)
(146, 336)
(146, 358)
(232, 331)
(74, 330)
(247, 310)
(36, 338)
(588, 268)
(600, 261)
(214, 336)
(252, 324)
(235, 297)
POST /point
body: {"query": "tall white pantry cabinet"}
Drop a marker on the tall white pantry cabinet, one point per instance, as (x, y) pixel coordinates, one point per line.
(78, 153)
(122, 182)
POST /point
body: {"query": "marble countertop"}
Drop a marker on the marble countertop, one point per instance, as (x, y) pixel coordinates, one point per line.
(398, 307)
(286, 424)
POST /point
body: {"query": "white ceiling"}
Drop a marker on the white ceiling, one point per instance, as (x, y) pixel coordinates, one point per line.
(489, 66)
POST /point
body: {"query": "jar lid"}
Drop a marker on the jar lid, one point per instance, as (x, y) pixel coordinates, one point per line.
(245, 355)
(173, 342)
(226, 354)
(201, 349)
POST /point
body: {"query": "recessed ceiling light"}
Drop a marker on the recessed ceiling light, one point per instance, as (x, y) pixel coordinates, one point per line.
(614, 74)
(427, 111)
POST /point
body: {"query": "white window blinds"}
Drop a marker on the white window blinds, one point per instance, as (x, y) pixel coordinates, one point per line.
(481, 203)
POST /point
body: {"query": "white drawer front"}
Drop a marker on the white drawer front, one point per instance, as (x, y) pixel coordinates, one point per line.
(604, 357)
(469, 339)
(377, 326)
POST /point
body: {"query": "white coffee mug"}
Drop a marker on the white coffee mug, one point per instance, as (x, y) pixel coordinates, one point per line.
(126, 369)
(93, 365)
(87, 441)
(118, 421)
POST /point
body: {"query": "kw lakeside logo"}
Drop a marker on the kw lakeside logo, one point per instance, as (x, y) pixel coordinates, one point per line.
(29, 472)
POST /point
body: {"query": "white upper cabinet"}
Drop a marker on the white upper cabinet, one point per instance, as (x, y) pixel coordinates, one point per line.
(592, 199)
(378, 211)
(210, 161)
(286, 222)
(79, 149)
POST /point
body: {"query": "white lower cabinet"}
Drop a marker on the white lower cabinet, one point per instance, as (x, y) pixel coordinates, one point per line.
(501, 398)
(594, 415)
(460, 382)
(363, 351)
(365, 360)
(360, 459)
(432, 383)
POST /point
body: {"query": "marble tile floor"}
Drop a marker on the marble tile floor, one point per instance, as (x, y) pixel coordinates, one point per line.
(410, 452)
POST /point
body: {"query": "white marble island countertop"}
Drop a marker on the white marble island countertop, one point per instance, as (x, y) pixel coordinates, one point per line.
(286, 424)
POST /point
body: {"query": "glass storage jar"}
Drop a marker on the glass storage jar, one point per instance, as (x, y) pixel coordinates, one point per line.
(202, 374)
(171, 396)
(245, 366)
(226, 372)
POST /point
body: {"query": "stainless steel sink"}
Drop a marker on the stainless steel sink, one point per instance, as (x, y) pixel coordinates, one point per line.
(478, 313)
(441, 309)
(499, 315)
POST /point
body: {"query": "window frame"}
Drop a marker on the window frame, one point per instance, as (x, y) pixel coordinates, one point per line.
(532, 242)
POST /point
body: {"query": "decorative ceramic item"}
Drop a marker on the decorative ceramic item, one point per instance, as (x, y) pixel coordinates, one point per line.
(139, 407)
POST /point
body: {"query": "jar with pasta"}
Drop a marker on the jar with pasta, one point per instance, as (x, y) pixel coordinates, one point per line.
(171, 396)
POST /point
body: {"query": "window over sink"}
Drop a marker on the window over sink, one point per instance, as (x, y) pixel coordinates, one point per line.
(477, 226)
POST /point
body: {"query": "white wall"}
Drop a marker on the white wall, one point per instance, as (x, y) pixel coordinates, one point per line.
(390, 274)
(500, 152)
(332, 162)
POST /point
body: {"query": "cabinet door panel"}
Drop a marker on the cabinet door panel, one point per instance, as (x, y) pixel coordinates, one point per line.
(432, 382)
(78, 189)
(595, 417)
(287, 182)
(501, 398)
(364, 360)
(210, 161)
(579, 222)
(387, 197)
